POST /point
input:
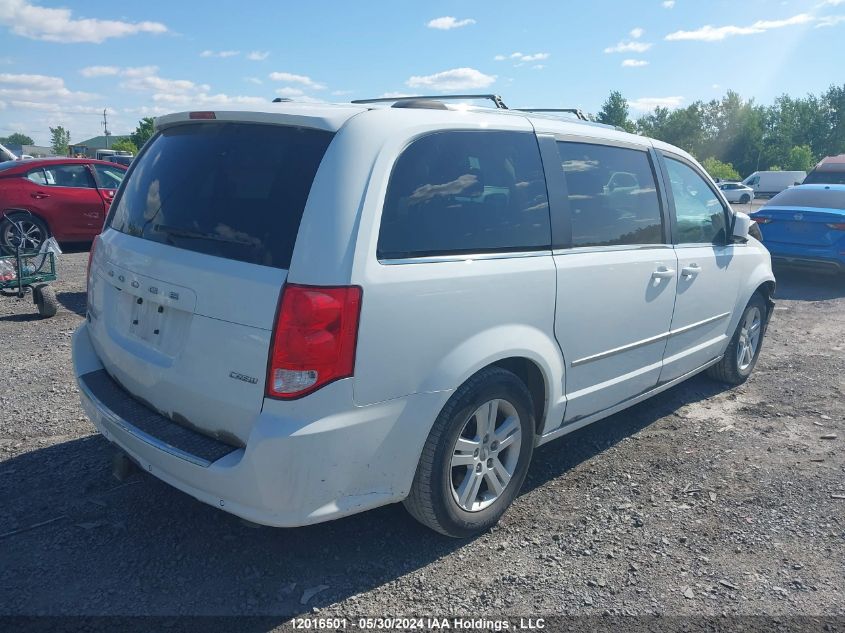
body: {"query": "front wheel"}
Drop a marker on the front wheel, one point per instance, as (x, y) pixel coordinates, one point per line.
(476, 457)
(744, 349)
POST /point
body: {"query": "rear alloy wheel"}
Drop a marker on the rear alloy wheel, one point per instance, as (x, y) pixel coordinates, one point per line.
(22, 229)
(744, 199)
(476, 456)
(485, 455)
(744, 349)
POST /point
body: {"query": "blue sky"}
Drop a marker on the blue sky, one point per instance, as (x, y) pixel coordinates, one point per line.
(62, 62)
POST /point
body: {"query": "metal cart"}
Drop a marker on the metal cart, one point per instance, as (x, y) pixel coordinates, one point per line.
(29, 271)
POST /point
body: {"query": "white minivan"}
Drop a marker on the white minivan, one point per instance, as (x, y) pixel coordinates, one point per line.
(303, 313)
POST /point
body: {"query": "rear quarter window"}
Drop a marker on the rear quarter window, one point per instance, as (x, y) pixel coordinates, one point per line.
(460, 192)
(232, 190)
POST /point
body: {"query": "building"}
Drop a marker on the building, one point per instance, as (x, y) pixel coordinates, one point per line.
(90, 146)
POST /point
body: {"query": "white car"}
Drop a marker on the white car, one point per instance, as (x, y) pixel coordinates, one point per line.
(736, 192)
(304, 313)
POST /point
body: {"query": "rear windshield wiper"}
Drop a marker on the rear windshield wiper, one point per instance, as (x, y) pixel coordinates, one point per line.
(177, 231)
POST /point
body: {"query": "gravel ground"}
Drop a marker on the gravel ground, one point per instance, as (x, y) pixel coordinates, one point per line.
(703, 500)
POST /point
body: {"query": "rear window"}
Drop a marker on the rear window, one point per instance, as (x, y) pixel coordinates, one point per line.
(818, 198)
(232, 190)
(466, 192)
(818, 177)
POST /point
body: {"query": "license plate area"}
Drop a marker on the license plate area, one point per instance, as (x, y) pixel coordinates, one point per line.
(147, 311)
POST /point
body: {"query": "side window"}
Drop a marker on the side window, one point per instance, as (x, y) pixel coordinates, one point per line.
(699, 215)
(69, 176)
(466, 192)
(612, 195)
(109, 177)
(37, 176)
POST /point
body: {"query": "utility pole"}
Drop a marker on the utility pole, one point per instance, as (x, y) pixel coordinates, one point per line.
(106, 127)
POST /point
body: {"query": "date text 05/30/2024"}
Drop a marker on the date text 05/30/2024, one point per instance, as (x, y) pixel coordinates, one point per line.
(419, 624)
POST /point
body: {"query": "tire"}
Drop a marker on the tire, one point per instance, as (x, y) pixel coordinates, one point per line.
(45, 300)
(36, 228)
(734, 368)
(744, 199)
(434, 498)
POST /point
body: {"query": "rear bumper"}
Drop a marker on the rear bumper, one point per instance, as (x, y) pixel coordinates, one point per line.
(297, 468)
(801, 256)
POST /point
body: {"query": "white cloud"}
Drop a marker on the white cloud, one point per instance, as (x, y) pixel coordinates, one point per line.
(342, 93)
(646, 104)
(63, 108)
(59, 25)
(394, 95)
(830, 20)
(629, 47)
(830, 3)
(258, 56)
(253, 80)
(146, 79)
(202, 99)
(287, 91)
(99, 71)
(39, 88)
(221, 54)
(538, 66)
(709, 33)
(143, 111)
(454, 79)
(448, 22)
(522, 57)
(291, 78)
(668, 4)
(634, 63)
(637, 33)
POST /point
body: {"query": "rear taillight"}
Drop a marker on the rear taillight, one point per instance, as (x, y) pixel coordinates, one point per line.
(314, 339)
(90, 258)
(761, 219)
(836, 226)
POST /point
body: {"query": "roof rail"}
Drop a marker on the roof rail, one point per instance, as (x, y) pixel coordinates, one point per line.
(496, 99)
(579, 114)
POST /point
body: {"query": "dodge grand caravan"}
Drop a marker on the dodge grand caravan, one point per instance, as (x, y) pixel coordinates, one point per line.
(304, 313)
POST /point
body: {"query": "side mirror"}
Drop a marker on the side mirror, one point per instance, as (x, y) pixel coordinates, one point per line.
(742, 226)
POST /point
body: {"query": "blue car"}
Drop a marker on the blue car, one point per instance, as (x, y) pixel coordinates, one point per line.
(804, 226)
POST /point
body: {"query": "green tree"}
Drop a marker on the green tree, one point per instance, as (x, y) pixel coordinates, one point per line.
(683, 127)
(615, 112)
(124, 145)
(800, 158)
(59, 140)
(17, 139)
(143, 132)
(718, 169)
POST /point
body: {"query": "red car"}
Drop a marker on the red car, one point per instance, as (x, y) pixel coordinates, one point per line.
(67, 198)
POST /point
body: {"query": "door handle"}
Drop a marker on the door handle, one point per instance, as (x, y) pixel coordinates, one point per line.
(38, 195)
(663, 273)
(690, 271)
